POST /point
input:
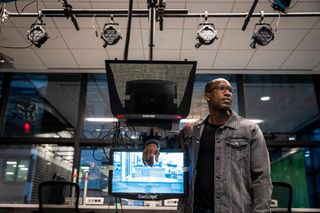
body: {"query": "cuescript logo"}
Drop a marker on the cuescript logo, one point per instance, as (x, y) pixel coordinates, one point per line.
(148, 116)
(148, 196)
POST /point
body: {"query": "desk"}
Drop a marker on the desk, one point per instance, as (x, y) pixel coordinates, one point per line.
(27, 208)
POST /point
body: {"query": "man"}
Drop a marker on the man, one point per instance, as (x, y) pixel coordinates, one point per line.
(228, 160)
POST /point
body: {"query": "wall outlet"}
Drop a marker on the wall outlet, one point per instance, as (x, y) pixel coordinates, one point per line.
(171, 202)
(274, 203)
(94, 200)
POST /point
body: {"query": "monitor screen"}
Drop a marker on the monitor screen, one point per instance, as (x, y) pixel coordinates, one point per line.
(130, 178)
(151, 97)
(150, 93)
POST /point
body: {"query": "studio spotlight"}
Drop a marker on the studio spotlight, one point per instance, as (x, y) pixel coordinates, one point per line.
(281, 5)
(263, 35)
(36, 34)
(206, 33)
(110, 34)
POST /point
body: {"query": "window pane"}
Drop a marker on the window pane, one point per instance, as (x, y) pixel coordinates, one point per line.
(199, 107)
(283, 104)
(95, 161)
(299, 167)
(24, 167)
(42, 105)
(98, 117)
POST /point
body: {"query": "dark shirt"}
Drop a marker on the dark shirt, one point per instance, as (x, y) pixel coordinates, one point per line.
(204, 186)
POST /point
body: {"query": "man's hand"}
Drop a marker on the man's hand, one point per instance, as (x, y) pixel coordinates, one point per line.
(150, 154)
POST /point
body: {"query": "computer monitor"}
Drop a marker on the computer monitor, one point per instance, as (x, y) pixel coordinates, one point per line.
(130, 178)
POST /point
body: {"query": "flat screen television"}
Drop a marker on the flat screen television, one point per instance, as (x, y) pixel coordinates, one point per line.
(130, 178)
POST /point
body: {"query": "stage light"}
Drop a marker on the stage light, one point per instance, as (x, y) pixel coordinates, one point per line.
(281, 5)
(110, 34)
(206, 33)
(263, 33)
(36, 34)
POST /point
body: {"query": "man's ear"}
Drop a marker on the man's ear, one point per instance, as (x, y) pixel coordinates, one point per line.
(207, 96)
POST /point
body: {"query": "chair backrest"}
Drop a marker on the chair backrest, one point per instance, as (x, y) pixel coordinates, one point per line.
(53, 192)
(282, 194)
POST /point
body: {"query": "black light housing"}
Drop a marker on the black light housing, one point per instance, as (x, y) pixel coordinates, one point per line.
(206, 35)
(281, 5)
(110, 35)
(36, 34)
(263, 36)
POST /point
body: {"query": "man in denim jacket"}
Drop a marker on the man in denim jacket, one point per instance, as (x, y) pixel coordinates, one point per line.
(228, 161)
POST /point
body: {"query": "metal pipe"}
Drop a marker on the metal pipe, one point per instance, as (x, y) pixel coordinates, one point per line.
(144, 13)
(96, 12)
(128, 34)
(152, 18)
(247, 20)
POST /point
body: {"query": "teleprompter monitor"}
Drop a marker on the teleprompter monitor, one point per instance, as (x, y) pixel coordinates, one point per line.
(151, 97)
(130, 178)
(150, 93)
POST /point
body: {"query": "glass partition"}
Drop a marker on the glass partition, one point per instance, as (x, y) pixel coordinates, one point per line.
(99, 119)
(283, 105)
(24, 167)
(42, 105)
(300, 167)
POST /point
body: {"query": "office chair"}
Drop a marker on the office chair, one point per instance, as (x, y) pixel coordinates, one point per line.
(282, 194)
(53, 192)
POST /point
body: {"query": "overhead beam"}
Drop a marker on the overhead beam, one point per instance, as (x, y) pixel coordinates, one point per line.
(171, 13)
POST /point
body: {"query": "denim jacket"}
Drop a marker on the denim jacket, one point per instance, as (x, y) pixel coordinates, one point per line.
(242, 180)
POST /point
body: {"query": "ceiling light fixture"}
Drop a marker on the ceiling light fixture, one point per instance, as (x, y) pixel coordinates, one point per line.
(264, 35)
(265, 98)
(206, 33)
(110, 35)
(36, 34)
(282, 5)
(257, 121)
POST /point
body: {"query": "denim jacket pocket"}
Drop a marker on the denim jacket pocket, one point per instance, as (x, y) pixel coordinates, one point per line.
(236, 148)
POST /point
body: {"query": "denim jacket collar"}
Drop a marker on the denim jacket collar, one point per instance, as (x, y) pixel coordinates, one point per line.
(231, 123)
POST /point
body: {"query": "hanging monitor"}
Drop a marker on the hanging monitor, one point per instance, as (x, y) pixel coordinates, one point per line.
(150, 93)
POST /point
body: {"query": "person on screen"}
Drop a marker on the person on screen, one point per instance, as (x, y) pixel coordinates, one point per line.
(228, 160)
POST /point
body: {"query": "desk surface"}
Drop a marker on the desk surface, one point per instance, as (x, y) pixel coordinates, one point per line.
(34, 206)
(136, 208)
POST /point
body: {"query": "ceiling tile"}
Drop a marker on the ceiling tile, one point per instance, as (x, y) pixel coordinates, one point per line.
(303, 6)
(84, 38)
(90, 58)
(133, 54)
(24, 58)
(13, 38)
(57, 58)
(236, 39)
(170, 39)
(230, 59)
(171, 55)
(311, 41)
(295, 22)
(202, 56)
(243, 7)
(267, 59)
(303, 59)
(286, 39)
(211, 7)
